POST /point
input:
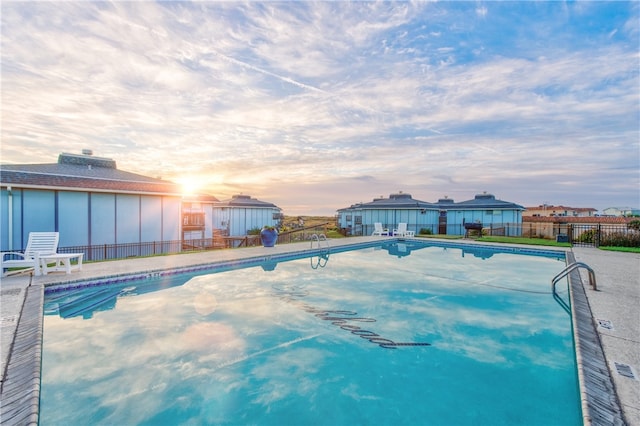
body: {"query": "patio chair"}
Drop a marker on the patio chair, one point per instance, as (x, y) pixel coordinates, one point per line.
(40, 243)
(379, 230)
(402, 231)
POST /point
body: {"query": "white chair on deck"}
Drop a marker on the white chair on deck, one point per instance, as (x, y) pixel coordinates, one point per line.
(402, 231)
(379, 230)
(39, 244)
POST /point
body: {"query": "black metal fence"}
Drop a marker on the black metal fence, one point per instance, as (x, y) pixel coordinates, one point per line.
(577, 234)
(155, 248)
(604, 235)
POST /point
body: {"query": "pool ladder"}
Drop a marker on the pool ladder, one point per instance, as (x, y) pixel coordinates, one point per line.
(566, 271)
(319, 239)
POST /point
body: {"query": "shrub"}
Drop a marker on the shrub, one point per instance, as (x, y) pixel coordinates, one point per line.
(588, 237)
(620, 239)
(425, 231)
(634, 224)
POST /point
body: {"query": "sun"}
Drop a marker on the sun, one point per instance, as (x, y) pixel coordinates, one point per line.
(190, 185)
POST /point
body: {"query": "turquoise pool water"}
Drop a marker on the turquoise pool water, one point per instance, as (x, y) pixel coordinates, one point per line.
(402, 333)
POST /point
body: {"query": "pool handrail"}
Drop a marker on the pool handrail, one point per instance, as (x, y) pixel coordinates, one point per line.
(571, 267)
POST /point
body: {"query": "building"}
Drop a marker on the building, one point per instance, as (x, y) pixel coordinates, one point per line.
(242, 213)
(546, 210)
(359, 219)
(487, 210)
(444, 217)
(197, 221)
(90, 202)
(620, 211)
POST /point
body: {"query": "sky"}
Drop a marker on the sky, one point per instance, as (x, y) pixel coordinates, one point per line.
(315, 106)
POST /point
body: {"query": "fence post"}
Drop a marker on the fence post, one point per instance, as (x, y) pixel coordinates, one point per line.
(598, 235)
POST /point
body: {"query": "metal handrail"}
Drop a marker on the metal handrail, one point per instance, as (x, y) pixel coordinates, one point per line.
(571, 267)
(318, 239)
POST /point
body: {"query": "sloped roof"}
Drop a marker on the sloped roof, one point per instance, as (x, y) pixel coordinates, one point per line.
(562, 208)
(396, 201)
(245, 201)
(486, 201)
(75, 172)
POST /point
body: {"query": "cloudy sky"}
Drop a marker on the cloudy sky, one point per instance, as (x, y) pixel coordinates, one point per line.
(315, 106)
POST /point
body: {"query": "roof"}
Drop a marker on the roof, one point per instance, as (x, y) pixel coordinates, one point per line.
(83, 172)
(563, 208)
(396, 201)
(579, 219)
(245, 201)
(486, 201)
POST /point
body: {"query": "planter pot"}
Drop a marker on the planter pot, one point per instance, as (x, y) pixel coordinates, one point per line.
(268, 237)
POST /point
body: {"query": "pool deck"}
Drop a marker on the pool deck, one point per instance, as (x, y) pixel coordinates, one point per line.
(607, 325)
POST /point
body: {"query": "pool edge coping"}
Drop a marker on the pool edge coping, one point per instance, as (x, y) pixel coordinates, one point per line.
(598, 397)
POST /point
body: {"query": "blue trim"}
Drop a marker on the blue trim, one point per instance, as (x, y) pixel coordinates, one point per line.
(229, 265)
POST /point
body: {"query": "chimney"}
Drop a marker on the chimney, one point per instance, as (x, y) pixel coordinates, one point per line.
(87, 152)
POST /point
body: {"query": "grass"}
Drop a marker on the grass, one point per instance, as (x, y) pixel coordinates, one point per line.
(522, 240)
(622, 249)
(440, 236)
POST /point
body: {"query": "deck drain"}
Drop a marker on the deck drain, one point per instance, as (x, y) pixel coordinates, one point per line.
(625, 370)
(10, 320)
(10, 292)
(605, 324)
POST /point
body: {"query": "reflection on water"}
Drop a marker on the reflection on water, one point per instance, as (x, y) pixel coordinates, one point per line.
(256, 346)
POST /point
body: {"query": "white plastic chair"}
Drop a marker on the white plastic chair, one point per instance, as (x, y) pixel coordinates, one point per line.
(402, 231)
(379, 230)
(40, 243)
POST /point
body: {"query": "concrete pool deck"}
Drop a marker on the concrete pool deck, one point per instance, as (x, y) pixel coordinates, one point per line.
(613, 335)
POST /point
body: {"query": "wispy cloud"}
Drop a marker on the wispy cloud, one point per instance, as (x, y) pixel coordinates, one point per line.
(502, 97)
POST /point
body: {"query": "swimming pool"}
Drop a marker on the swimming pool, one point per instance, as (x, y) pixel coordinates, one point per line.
(398, 333)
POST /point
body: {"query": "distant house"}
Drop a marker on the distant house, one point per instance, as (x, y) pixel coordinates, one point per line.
(241, 213)
(546, 210)
(88, 201)
(444, 217)
(621, 211)
(359, 219)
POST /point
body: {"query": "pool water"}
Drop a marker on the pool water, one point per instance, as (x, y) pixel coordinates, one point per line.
(402, 333)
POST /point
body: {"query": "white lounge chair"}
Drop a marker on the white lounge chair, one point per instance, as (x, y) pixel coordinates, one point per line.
(401, 231)
(40, 243)
(379, 230)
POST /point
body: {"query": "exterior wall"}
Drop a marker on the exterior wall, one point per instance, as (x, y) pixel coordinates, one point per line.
(238, 220)
(548, 211)
(488, 218)
(73, 218)
(103, 219)
(360, 221)
(88, 218)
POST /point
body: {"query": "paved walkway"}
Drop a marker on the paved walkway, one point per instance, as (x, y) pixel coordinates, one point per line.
(614, 307)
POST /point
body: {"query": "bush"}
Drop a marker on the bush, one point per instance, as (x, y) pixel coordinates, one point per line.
(425, 231)
(588, 237)
(254, 231)
(634, 224)
(620, 239)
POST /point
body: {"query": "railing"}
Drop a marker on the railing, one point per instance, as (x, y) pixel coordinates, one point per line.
(101, 252)
(577, 234)
(566, 271)
(318, 239)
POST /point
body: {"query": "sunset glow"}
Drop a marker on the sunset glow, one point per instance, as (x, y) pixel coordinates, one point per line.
(315, 106)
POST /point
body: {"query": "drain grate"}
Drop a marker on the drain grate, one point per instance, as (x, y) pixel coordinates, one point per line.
(605, 324)
(8, 321)
(625, 370)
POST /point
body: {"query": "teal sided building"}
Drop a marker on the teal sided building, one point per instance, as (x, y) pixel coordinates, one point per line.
(444, 217)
